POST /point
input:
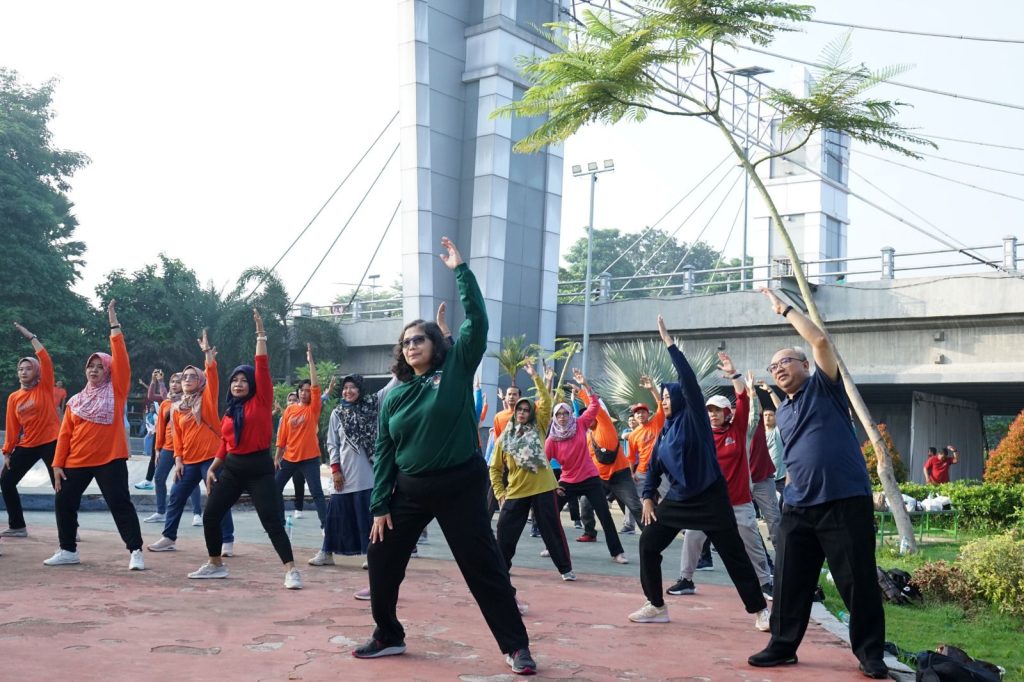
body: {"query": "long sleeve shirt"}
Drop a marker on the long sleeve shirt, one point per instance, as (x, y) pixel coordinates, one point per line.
(642, 438)
(197, 440)
(259, 425)
(605, 436)
(429, 422)
(32, 413)
(82, 443)
(299, 429)
(731, 449)
(685, 451)
(164, 426)
(523, 482)
(573, 454)
(156, 392)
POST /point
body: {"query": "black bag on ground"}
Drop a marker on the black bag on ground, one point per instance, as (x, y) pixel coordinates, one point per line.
(902, 580)
(936, 667)
(890, 590)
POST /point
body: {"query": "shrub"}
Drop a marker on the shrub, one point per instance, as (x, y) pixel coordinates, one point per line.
(1006, 463)
(995, 565)
(898, 469)
(944, 582)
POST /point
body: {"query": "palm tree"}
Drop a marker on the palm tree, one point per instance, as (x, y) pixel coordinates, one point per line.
(512, 355)
(607, 71)
(625, 363)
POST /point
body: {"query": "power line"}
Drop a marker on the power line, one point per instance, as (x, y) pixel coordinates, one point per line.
(343, 227)
(735, 221)
(374, 256)
(890, 82)
(968, 163)
(1011, 41)
(324, 205)
(942, 177)
(700, 234)
(980, 144)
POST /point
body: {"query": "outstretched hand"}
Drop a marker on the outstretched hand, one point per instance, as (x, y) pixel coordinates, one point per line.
(529, 366)
(204, 345)
(777, 305)
(663, 331)
(577, 375)
(259, 322)
(725, 365)
(647, 382)
(112, 312)
(24, 332)
(453, 258)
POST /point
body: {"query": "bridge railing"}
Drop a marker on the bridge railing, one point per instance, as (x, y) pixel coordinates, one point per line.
(376, 309)
(882, 266)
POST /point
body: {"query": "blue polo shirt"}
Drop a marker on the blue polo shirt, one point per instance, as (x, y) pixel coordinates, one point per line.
(822, 456)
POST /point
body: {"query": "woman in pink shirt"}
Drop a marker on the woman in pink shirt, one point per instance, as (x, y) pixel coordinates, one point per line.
(567, 443)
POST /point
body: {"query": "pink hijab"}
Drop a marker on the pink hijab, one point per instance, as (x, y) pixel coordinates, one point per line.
(96, 403)
(33, 382)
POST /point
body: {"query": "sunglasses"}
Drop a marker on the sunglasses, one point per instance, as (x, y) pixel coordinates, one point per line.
(414, 341)
(190, 377)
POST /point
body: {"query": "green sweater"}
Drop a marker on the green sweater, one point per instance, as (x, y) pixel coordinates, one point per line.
(429, 422)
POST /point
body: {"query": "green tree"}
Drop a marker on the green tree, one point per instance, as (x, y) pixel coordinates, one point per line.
(607, 71)
(234, 331)
(654, 252)
(373, 301)
(42, 260)
(164, 310)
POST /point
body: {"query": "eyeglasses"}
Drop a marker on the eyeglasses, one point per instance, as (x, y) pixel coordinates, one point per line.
(190, 377)
(524, 409)
(413, 341)
(783, 362)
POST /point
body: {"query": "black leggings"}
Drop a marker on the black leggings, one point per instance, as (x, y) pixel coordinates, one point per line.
(22, 460)
(512, 520)
(112, 478)
(253, 472)
(592, 489)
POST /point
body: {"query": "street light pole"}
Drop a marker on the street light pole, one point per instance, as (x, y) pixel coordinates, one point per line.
(592, 171)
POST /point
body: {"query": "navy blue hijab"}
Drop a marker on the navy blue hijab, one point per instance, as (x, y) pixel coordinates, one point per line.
(236, 406)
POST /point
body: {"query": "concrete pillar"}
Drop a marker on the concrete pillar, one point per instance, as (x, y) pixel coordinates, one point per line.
(1010, 252)
(888, 262)
(604, 286)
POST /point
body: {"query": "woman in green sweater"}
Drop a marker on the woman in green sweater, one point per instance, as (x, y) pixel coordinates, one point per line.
(531, 483)
(428, 465)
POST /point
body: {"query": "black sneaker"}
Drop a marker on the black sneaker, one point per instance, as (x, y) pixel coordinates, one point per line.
(682, 586)
(876, 670)
(521, 662)
(376, 648)
(767, 590)
(579, 525)
(535, 532)
(768, 658)
(705, 564)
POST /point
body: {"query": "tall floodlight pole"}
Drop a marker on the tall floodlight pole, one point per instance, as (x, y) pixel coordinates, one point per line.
(749, 72)
(592, 170)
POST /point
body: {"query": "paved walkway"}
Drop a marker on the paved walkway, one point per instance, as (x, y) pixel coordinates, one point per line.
(98, 621)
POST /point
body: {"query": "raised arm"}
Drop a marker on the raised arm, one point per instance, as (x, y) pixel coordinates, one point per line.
(729, 372)
(442, 323)
(261, 333)
(472, 341)
(313, 382)
(687, 379)
(543, 397)
(120, 367)
(763, 385)
(816, 338)
(32, 338)
(211, 392)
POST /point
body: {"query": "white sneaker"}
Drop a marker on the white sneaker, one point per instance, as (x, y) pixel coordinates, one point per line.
(154, 518)
(620, 559)
(197, 520)
(544, 552)
(322, 558)
(366, 565)
(569, 576)
(297, 514)
(227, 549)
(292, 579)
(649, 613)
(523, 608)
(164, 544)
(62, 557)
(763, 622)
(136, 562)
(208, 571)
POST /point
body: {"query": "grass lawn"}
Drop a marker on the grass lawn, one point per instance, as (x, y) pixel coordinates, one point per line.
(983, 632)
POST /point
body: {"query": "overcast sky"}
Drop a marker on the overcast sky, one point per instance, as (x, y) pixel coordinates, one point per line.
(216, 130)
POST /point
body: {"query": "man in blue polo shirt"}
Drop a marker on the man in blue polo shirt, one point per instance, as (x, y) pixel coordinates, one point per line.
(827, 504)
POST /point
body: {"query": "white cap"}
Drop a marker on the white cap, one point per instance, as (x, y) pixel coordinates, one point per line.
(719, 401)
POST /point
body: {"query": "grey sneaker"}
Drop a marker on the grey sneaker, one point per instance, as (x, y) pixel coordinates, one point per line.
(322, 558)
(164, 544)
(569, 576)
(62, 557)
(14, 533)
(208, 571)
(156, 517)
(292, 579)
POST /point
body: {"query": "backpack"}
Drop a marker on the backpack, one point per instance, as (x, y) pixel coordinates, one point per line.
(890, 590)
(902, 580)
(603, 455)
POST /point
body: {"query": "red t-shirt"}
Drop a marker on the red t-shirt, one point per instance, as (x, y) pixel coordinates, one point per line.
(731, 448)
(761, 466)
(258, 428)
(938, 469)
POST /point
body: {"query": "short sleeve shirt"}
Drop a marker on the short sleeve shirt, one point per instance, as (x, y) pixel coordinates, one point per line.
(822, 456)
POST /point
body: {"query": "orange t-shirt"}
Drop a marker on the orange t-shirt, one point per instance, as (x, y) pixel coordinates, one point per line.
(500, 421)
(59, 396)
(606, 436)
(297, 433)
(82, 443)
(32, 413)
(642, 438)
(164, 426)
(197, 441)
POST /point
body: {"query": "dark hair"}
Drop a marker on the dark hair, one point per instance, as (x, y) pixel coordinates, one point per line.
(945, 451)
(515, 387)
(933, 451)
(401, 369)
(529, 404)
(303, 384)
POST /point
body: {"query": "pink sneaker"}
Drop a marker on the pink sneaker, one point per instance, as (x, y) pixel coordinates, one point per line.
(363, 594)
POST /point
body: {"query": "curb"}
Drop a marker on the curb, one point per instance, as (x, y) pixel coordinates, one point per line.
(823, 617)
